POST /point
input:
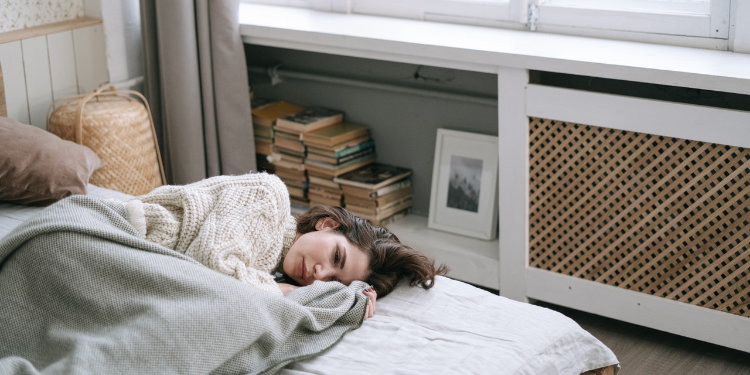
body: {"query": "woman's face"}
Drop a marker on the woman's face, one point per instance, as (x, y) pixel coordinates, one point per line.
(325, 255)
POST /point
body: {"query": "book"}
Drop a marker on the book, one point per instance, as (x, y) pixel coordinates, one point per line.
(335, 134)
(316, 200)
(283, 134)
(294, 181)
(374, 176)
(376, 211)
(380, 216)
(368, 193)
(262, 131)
(281, 154)
(339, 169)
(327, 173)
(263, 146)
(326, 182)
(343, 149)
(385, 221)
(295, 191)
(298, 206)
(309, 119)
(339, 160)
(296, 178)
(325, 192)
(268, 114)
(280, 163)
(288, 141)
(381, 201)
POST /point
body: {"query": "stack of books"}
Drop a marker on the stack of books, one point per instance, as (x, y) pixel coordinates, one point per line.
(333, 151)
(338, 149)
(265, 112)
(378, 192)
(288, 153)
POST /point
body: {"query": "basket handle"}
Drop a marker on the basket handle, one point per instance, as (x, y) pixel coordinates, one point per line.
(95, 94)
(85, 98)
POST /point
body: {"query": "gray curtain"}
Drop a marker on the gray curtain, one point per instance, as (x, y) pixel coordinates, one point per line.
(196, 83)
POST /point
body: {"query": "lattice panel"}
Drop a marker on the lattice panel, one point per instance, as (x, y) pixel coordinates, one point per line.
(664, 216)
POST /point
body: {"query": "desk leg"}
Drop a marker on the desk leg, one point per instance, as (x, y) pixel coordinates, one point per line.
(513, 141)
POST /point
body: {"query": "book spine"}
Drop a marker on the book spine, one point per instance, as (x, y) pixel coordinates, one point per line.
(355, 155)
(352, 149)
(391, 188)
(333, 167)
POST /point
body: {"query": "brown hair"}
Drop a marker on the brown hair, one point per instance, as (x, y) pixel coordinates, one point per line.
(390, 260)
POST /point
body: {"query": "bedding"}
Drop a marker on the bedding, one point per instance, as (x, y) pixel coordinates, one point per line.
(81, 292)
(453, 328)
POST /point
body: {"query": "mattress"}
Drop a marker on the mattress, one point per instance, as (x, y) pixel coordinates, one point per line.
(11, 215)
(452, 328)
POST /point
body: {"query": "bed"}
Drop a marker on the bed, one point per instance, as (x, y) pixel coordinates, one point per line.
(452, 328)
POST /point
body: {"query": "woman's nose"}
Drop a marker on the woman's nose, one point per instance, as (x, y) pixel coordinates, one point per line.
(322, 273)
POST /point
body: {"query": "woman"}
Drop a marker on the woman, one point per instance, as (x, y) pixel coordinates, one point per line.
(241, 226)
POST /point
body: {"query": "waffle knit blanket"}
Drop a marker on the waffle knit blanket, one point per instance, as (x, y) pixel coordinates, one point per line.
(82, 293)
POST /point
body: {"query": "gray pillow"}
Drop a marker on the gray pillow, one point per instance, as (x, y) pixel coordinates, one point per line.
(38, 167)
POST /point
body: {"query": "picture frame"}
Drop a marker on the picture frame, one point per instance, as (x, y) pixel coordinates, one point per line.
(463, 196)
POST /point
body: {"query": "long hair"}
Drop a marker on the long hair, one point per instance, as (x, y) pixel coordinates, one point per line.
(390, 260)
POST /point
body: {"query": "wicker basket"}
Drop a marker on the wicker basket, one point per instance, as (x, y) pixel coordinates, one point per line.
(120, 130)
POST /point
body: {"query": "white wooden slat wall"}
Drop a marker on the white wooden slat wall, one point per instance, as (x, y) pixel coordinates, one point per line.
(62, 64)
(38, 82)
(41, 69)
(91, 60)
(11, 59)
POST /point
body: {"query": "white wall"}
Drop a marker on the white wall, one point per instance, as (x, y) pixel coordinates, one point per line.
(122, 29)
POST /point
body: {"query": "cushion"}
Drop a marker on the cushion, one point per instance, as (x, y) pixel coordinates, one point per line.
(38, 167)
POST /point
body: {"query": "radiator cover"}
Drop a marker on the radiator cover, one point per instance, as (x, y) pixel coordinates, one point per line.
(664, 216)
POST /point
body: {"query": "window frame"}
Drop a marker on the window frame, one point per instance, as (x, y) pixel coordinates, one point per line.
(635, 16)
(713, 27)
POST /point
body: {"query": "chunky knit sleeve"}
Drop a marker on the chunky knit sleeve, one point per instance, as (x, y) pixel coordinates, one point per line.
(237, 225)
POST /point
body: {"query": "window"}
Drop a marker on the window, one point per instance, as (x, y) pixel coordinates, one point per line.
(698, 23)
(693, 18)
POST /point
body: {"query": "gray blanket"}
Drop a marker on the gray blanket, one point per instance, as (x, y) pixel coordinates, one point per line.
(81, 293)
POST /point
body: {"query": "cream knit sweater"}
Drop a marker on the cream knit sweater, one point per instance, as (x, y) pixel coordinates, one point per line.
(240, 226)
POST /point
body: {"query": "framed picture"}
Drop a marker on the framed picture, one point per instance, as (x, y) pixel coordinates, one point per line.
(463, 198)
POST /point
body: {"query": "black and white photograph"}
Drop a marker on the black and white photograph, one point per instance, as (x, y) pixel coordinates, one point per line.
(464, 183)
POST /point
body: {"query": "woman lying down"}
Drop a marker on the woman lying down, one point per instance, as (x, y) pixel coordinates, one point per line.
(92, 285)
(241, 226)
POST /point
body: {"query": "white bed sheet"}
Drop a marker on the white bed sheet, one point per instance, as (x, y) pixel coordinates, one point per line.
(453, 328)
(456, 328)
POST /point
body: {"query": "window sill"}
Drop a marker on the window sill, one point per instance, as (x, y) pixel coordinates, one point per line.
(485, 49)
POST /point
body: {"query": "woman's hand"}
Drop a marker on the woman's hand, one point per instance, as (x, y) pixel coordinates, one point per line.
(372, 295)
(287, 288)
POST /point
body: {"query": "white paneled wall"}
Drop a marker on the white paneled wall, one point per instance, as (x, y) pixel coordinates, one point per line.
(41, 68)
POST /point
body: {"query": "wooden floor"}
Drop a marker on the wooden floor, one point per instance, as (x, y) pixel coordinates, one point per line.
(647, 351)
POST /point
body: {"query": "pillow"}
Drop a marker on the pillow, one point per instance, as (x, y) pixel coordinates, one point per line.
(38, 167)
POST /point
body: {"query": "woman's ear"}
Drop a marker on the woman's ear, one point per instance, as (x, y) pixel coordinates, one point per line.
(326, 223)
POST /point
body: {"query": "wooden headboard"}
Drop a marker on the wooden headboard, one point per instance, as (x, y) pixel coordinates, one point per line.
(3, 109)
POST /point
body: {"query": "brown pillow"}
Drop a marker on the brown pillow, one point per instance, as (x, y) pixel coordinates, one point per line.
(38, 167)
